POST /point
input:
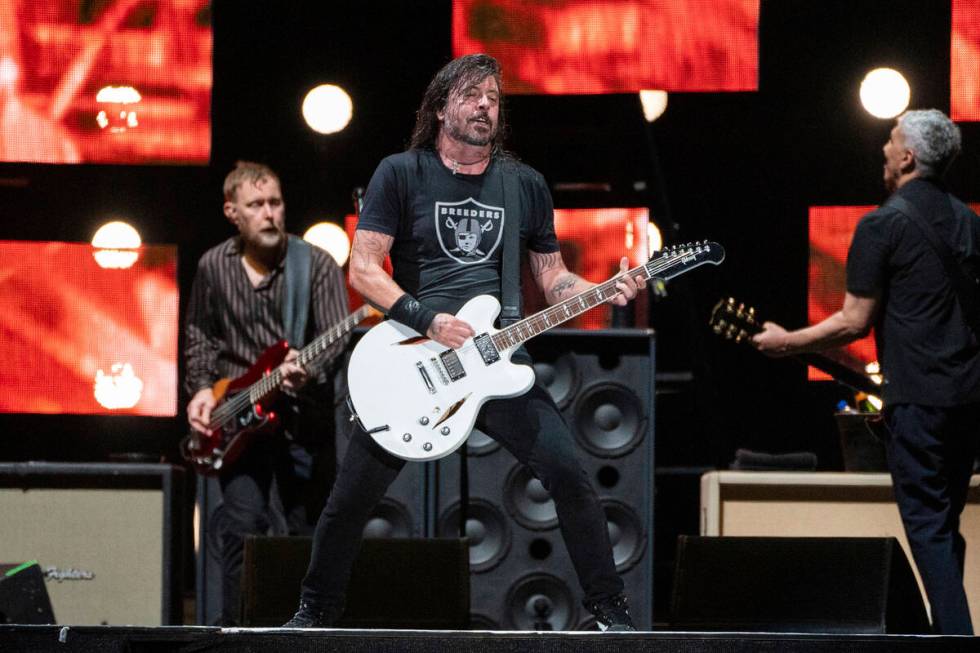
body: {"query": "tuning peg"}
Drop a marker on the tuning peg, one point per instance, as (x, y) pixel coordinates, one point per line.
(742, 336)
(719, 326)
(731, 331)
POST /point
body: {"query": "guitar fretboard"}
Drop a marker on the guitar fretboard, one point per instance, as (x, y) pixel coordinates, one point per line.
(665, 266)
(271, 382)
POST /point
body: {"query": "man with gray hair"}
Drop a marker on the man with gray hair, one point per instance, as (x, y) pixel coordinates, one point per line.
(911, 274)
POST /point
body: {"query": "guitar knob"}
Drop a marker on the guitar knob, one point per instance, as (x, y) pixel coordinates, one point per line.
(742, 335)
(731, 331)
(719, 327)
(407, 437)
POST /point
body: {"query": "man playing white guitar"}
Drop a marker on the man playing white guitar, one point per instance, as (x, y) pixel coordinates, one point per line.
(440, 210)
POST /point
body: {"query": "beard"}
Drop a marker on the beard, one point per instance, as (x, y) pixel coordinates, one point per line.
(468, 133)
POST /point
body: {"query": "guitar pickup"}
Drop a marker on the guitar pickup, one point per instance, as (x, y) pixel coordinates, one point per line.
(484, 345)
(450, 361)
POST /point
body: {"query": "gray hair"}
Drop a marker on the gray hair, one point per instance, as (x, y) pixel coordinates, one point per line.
(933, 138)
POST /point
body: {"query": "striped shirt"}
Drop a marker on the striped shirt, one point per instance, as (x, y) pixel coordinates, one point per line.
(230, 322)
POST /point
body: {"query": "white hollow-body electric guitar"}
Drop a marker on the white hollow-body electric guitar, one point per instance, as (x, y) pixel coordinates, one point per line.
(419, 400)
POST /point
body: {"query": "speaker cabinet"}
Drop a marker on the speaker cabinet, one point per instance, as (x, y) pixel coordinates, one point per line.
(395, 583)
(106, 536)
(795, 584)
(521, 577)
(825, 504)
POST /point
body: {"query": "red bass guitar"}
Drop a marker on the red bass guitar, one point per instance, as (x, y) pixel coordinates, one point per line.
(243, 408)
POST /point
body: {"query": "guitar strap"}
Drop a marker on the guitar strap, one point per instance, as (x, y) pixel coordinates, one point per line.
(510, 269)
(296, 294)
(964, 282)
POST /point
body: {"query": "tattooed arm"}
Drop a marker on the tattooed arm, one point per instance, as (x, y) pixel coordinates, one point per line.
(558, 283)
(368, 277)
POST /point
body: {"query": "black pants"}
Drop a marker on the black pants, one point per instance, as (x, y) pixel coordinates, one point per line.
(931, 451)
(247, 506)
(532, 429)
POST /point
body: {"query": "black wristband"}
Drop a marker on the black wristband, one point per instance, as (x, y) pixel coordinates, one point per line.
(410, 312)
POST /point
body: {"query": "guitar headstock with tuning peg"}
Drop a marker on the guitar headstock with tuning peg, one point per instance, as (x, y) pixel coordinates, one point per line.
(734, 320)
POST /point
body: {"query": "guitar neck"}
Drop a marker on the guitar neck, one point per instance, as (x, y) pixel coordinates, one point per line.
(271, 382)
(841, 373)
(665, 267)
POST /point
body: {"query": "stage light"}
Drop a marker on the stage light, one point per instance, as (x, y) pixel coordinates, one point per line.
(116, 245)
(327, 109)
(885, 93)
(654, 104)
(330, 237)
(121, 388)
(655, 240)
(118, 114)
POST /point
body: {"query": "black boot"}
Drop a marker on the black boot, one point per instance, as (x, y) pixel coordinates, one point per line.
(309, 615)
(612, 614)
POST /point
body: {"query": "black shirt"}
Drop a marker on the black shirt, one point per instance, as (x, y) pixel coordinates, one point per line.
(447, 228)
(928, 353)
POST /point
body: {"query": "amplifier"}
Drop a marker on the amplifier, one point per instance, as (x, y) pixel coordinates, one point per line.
(106, 537)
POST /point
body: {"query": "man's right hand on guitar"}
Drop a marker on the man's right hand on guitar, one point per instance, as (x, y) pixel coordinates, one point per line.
(199, 410)
(449, 331)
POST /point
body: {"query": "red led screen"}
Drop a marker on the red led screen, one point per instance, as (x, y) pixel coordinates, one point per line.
(592, 242)
(831, 230)
(614, 46)
(101, 81)
(964, 78)
(80, 338)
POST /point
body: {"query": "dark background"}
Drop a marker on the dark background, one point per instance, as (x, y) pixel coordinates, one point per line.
(737, 168)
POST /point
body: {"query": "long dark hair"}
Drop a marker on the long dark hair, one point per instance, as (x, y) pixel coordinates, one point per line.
(455, 75)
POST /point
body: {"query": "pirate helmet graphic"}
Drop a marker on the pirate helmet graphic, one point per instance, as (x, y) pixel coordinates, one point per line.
(469, 231)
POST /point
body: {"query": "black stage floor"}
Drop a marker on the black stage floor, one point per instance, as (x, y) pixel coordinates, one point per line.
(71, 639)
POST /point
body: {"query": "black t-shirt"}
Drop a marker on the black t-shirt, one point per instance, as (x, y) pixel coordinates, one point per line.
(448, 228)
(928, 353)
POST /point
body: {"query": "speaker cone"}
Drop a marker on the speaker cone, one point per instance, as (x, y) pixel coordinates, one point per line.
(486, 530)
(540, 602)
(389, 519)
(527, 501)
(608, 420)
(480, 444)
(559, 376)
(625, 533)
(482, 622)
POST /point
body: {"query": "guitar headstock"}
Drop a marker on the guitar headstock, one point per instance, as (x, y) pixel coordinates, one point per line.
(677, 259)
(734, 320)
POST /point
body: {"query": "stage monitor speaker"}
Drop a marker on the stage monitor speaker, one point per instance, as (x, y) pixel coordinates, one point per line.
(395, 583)
(796, 584)
(106, 536)
(23, 597)
(521, 576)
